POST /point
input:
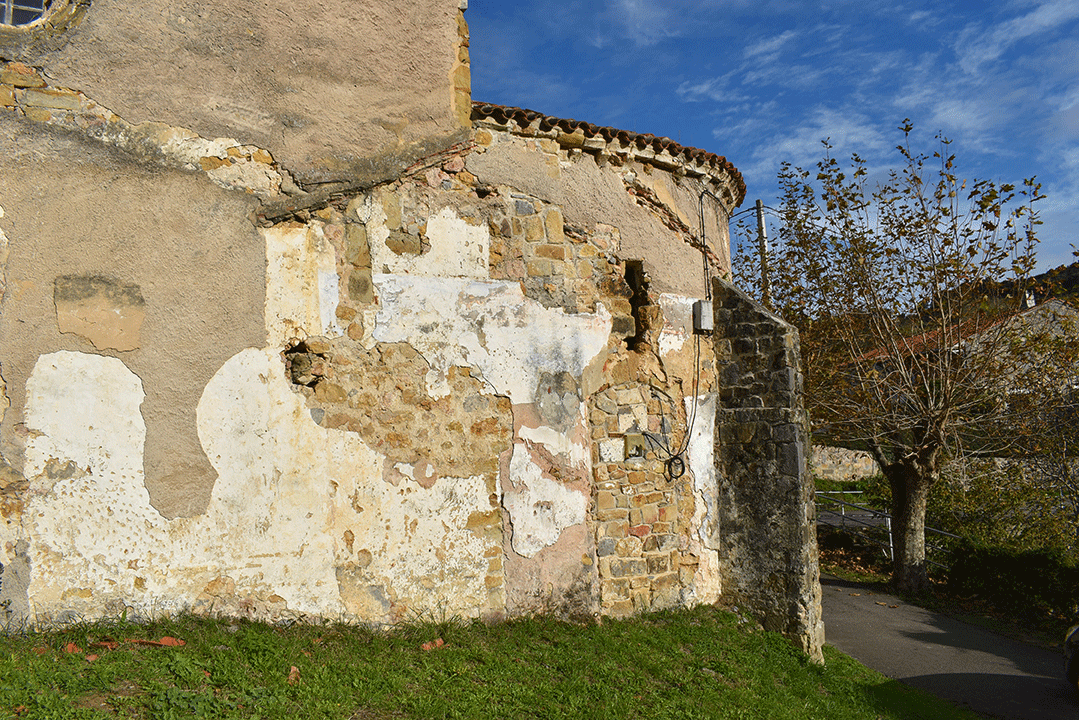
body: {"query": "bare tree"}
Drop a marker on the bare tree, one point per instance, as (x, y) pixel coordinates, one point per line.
(887, 287)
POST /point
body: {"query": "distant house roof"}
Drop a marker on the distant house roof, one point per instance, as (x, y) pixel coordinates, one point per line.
(1051, 310)
(660, 151)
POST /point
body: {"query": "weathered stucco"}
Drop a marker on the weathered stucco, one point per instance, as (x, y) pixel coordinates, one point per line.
(174, 239)
(320, 85)
(283, 335)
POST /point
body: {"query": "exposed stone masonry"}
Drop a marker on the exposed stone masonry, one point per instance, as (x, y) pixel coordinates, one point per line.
(766, 506)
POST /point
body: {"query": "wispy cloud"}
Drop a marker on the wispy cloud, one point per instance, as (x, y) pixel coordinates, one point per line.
(770, 47)
(978, 45)
(643, 22)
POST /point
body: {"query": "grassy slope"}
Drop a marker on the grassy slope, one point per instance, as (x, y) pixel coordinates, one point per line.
(703, 663)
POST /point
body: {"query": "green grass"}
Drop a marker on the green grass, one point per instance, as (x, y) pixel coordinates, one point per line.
(703, 663)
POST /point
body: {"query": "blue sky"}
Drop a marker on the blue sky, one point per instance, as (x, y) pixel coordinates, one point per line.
(763, 81)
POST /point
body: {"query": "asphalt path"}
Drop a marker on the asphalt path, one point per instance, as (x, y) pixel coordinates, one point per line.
(969, 665)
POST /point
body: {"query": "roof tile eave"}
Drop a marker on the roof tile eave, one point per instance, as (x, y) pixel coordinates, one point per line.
(524, 118)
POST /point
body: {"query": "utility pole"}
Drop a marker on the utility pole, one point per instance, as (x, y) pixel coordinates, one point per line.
(762, 237)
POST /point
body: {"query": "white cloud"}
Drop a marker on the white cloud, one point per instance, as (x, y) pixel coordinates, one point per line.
(978, 45)
(770, 47)
(643, 22)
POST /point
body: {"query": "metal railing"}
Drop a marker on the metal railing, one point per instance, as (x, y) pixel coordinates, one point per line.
(854, 519)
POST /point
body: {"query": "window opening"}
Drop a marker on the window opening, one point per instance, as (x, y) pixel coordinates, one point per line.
(22, 12)
(638, 282)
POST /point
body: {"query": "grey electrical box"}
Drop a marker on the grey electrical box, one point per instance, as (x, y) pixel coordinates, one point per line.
(635, 446)
(702, 316)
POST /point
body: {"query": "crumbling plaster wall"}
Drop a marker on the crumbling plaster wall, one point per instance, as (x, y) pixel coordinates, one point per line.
(451, 389)
(611, 188)
(305, 80)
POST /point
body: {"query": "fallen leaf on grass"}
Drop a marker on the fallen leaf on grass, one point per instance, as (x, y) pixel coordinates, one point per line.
(40, 651)
(436, 643)
(21, 709)
(107, 644)
(293, 675)
(163, 642)
(72, 648)
(91, 658)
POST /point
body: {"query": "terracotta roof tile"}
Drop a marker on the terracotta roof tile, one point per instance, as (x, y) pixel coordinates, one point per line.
(524, 118)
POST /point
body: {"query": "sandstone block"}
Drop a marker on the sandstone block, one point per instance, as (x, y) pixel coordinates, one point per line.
(57, 99)
(555, 252)
(20, 76)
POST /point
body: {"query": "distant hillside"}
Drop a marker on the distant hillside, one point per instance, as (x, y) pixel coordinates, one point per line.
(1060, 282)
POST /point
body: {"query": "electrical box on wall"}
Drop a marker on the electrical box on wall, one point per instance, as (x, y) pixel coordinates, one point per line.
(702, 316)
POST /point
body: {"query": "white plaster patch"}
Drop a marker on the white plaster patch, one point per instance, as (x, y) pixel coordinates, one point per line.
(677, 323)
(420, 552)
(84, 408)
(299, 259)
(612, 451)
(487, 325)
(539, 508)
(572, 445)
(458, 248)
(88, 517)
(286, 492)
(701, 452)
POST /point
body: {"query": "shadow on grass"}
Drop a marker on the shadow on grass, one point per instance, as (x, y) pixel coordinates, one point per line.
(1013, 697)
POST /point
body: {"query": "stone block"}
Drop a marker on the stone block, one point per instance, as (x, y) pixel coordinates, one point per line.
(606, 546)
(357, 251)
(615, 529)
(533, 228)
(605, 500)
(639, 531)
(628, 567)
(554, 252)
(612, 514)
(555, 230)
(38, 114)
(661, 543)
(7, 96)
(612, 451)
(539, 268)
(56, 99)
(360, 285)
(644, 498)
(628, 546)
(657, 564)
(666, 591)
(21, 76)
(621, 608)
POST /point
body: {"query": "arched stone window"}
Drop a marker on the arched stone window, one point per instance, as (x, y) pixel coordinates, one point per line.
(30, 26)
(22, 12)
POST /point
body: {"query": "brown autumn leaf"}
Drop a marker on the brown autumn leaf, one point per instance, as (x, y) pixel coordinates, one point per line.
(166, 641)
(40, 650)
(72, 648)
(293, 675)
(92, 657)
(107, 644)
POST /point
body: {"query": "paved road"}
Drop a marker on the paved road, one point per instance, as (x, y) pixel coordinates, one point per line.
(989, 673)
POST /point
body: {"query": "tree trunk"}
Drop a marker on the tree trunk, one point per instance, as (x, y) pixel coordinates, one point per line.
(910, 484)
